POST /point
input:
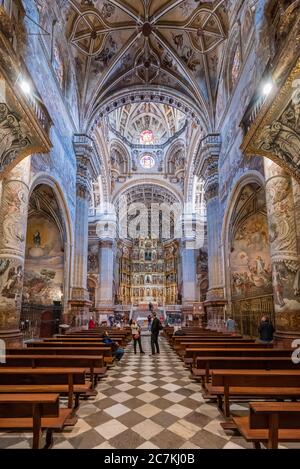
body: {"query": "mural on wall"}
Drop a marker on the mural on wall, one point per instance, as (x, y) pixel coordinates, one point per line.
(93, 259)
(44, 264)
(251, 271)
(11, 279)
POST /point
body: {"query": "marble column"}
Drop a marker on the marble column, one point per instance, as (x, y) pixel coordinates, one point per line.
(282, 195)
(215, 296)
(80, 302)
(215, 301)
(13, 227)
(105, 302)
(190, 291)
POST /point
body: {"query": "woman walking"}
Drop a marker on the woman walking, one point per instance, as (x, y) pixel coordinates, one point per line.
(136, 335)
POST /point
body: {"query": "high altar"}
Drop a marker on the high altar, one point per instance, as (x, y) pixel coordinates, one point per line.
(148, 273)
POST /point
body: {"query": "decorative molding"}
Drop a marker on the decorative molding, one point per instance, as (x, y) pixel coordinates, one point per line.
(275, 133)
(13, 138)
(88, 164)
(157, 96)
(206, 164)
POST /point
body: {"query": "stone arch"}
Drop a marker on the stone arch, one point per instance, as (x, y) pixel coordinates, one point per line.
(245, 244)
(119, 160)
(51, 182)
(92, 289)
(150, 181)
(175, 159)
(155, 94)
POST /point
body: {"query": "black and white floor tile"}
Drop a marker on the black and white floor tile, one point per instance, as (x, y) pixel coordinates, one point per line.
(145, 402)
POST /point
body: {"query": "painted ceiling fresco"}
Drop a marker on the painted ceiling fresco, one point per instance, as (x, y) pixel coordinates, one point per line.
(119, 44)
(137, 121)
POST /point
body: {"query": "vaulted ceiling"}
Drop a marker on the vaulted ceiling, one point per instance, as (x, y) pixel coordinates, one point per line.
(162, 120)
(119, 44)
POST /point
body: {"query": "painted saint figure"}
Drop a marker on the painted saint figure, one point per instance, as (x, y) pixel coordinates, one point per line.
(37, 239)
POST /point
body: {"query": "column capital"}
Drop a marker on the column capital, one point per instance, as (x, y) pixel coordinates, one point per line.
(207, 164)
(106, 228)
(87, 156)
(106, 243)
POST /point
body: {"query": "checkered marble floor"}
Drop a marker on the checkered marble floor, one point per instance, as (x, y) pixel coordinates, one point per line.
(145, 402)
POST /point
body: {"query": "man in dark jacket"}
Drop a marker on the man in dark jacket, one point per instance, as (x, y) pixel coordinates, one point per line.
(155, 328)
(266, 330)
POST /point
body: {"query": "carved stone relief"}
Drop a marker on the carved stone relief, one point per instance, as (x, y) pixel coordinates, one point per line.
(13, 136)
(283, 242)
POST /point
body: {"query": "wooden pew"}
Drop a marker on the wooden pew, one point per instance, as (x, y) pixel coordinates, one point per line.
(61, 343)
(92, 364)
(271, 384)
(270, 423)
(254, 350)
(64, 381)
(58, 350)
(105, 349)
(184, 345)
(126, 334)
(88, 340)
(32, 411)
(179, 338)
(205, 365)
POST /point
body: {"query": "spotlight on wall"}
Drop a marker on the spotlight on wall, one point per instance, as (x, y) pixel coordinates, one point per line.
(25, 86)
(267, 88)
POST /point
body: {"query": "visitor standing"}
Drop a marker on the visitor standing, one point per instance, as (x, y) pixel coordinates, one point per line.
(230, 325)
(91, 323)
(136, 336)
(155, 328)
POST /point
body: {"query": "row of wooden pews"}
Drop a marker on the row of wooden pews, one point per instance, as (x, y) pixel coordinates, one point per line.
(230, 367)
(34, 377)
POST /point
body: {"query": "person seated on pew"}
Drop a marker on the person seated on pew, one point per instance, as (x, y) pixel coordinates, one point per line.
(117, 351)
(266, 330)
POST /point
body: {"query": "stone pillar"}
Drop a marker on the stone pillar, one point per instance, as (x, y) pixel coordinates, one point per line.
(190, 291)
(214, 305)
(189, 254)
(105, 304)
(13, 227)
(80, 302)
(106, 231)
(282, 196)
